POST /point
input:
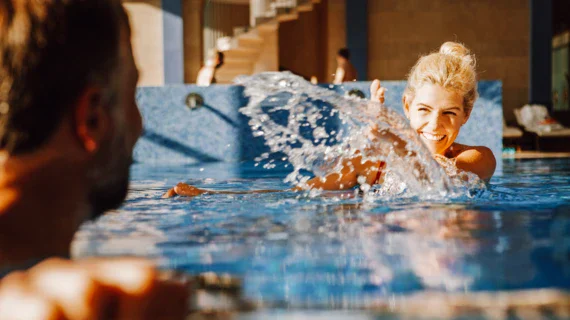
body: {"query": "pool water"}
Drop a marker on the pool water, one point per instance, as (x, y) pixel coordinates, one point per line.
(338, 250)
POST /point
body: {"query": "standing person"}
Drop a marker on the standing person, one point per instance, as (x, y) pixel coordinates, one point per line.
(207, 74)
(345, 71)
(68, 124)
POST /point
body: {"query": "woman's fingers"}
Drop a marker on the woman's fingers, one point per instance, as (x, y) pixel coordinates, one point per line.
(374, 87)
(381, 93)
(376, 91)
(183, 189)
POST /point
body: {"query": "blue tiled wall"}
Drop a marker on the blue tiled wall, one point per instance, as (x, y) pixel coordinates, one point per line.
(218, 132)
(174, 133)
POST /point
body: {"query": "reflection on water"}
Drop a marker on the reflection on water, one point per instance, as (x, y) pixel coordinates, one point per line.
(340, 250)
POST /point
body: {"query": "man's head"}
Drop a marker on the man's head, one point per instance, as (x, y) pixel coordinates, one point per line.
(343, 55)
(67, 84)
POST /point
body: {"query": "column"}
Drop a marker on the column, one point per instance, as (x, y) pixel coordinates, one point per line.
(357, 35)
(173, 41)
(540, 87)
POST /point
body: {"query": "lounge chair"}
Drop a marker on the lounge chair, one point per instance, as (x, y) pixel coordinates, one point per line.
(535, 119)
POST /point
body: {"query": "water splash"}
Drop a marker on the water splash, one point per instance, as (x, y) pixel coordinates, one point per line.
(315, 129)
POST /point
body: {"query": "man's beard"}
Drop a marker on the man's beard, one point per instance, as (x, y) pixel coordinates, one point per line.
(109, 179)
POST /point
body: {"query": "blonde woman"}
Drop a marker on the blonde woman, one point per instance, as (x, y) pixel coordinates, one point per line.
(439, 97)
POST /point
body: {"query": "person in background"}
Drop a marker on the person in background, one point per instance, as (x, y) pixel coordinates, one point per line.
(68, 124)
(345, 71)
(207, 74)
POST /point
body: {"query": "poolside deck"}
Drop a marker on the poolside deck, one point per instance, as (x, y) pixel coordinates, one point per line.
(537, 154)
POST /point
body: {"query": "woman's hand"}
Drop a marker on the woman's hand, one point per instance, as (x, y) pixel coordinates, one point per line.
(377, 92)
(183, 189)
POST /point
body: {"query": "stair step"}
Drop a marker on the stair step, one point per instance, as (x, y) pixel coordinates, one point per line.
(287, 17)
(271, 25)
(249, 41)
(285, 10)
(239, 63)
(233, 72)
(241, 53)
(306, 7)
(261, 20)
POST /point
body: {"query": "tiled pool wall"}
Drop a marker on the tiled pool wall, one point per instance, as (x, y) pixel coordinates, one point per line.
(217, 131)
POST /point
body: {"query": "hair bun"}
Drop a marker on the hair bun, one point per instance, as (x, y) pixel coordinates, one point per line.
(457, 50)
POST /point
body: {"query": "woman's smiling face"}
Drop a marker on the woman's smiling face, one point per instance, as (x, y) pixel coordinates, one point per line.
(436, 114)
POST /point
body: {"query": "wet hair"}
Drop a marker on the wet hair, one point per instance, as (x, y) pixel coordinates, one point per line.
(220, 59)
(453, 67)
(50, 51)
(345, 53)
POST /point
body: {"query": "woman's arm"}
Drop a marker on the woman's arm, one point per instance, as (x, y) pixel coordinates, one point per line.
(186, 190)
(347, 178)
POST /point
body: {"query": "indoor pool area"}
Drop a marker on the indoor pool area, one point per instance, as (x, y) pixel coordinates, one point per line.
(285, 160)
(501, 250)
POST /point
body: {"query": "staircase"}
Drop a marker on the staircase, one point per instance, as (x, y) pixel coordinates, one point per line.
(256, 49)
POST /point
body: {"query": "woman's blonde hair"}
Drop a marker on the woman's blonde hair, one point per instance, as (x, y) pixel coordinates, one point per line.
(453, 67)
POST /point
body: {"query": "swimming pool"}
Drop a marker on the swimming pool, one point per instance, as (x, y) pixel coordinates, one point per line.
(340, 251)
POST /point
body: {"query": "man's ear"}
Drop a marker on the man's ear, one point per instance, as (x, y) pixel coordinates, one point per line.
(91, 121)
(406, 101)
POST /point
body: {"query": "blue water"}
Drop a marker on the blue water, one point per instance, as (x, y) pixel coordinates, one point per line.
(337, 250)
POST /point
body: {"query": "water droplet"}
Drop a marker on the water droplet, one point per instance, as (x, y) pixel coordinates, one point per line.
(293, 126)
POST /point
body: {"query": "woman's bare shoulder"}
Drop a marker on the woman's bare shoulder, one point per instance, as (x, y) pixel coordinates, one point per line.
(477, 159)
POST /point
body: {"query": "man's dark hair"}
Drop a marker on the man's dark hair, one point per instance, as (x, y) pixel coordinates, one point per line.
(50, 51)
(345, 53)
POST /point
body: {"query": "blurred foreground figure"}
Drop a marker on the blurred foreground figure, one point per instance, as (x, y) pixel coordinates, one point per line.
(68, 124)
